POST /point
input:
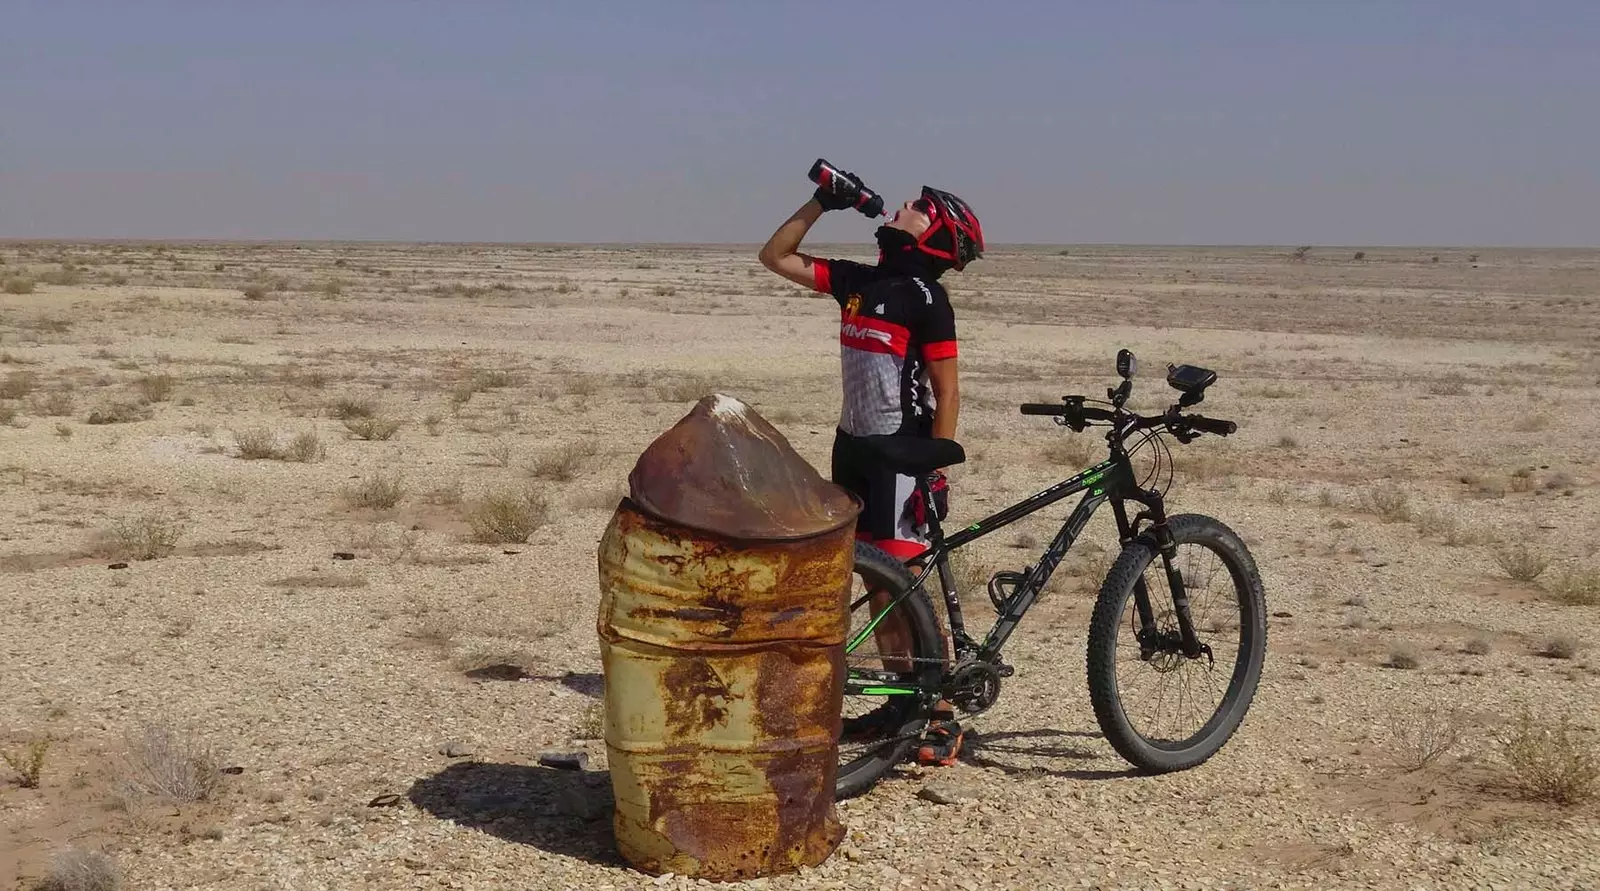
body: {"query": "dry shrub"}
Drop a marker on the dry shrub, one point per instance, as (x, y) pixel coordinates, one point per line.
(1478, 645)
(256, 291)
(257, 444)
(685, 388)
(1421, 737)
(1198, 464)
(1575, 587)
(1069, 451)
(507, 517)
(1522, 480)
(17, 384)
(1558, 646)
(559, 464)
(76, 869)
(118, 413)
(1550, 763)
(435, 631)
(145, 537)
(431, 423)
(54, 404)
(305, 448)
(166, 764)
(591, 722)
(1391, 505)
(27, 762)
(347, 407)
(8, 413)
(381, 491)
(1287, 441)
(156, 387)
(17, 285)
(372, 429)
(1520, 562)
(1450, 386)
(1404, 656)
(64, 275)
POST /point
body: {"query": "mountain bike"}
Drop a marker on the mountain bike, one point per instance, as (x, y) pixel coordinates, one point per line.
(1178, 633)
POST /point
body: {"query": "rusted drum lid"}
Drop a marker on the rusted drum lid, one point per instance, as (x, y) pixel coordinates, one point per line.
(724, 469)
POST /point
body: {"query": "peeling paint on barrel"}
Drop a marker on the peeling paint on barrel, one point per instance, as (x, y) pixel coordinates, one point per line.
(724, 667)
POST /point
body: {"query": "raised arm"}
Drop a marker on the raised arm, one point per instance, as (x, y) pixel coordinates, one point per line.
(781, 252)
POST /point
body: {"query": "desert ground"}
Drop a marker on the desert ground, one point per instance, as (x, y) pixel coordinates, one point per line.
(318, 669)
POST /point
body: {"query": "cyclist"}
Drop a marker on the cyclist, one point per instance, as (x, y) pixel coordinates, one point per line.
(898, 353)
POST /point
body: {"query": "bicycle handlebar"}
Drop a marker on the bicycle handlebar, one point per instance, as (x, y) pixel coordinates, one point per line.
(1077, 415)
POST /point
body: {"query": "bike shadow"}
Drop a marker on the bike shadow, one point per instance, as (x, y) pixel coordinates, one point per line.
(565, 812)
(1019, 753)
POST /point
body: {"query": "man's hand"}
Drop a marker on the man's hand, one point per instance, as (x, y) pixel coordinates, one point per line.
(831, 200)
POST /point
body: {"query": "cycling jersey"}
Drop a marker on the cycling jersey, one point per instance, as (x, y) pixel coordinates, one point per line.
(891, 325)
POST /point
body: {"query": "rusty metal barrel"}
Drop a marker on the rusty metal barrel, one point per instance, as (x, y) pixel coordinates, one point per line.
(724, 580)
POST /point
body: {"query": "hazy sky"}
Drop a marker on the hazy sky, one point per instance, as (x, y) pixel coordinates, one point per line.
(1367, 123)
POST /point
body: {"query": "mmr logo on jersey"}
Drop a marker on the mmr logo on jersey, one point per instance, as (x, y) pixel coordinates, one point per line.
(849, 330)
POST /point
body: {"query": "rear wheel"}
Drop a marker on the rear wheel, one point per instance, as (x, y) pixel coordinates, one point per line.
(884, 698)
(1158, 708)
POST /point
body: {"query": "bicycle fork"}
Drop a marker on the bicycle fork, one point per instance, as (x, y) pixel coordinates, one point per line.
(1150, 635)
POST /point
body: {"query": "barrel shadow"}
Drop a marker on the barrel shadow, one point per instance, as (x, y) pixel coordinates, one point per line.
(565, 812)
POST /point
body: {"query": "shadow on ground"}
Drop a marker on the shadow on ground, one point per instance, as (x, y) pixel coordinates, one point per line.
(590, 683)
(566, 812)
(1035, 752)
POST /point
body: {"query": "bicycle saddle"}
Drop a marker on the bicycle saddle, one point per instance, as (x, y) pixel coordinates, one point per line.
(915, 455)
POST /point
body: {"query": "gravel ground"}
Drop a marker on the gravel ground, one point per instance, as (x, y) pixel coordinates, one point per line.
(384, 714)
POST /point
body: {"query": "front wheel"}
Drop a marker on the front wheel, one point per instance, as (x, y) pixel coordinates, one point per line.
(1160, 709)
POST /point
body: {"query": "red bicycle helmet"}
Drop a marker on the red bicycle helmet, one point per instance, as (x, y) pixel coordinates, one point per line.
(955, 235)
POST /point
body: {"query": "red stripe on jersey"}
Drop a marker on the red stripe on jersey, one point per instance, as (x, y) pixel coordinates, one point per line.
(824, 276)
(944, 349)
(873, 335)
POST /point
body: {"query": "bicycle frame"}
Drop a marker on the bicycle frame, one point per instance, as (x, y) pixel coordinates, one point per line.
(1111, 480)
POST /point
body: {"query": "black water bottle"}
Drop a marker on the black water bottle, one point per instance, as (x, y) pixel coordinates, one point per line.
(836, 181)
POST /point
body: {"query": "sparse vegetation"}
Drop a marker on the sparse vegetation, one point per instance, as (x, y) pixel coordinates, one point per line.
(379, 491)
(1066, 451)
(1520, 562)
(156, 387)
(118, 413)
(305, 448)
(257, 444)
(1423, 736)
(76, 869)
(372, 429)
(559, 464)
(17, 384)
(163, 763)
(1478, 645)
(590, 723)
(54, 404)
(148, 536)
(1558, 646)
(1287, 441)
(19, 285)
(1575, 587)
(1404, 656)
(347, 408)
(1550, 763)
(1391, 505)
(27, 762)
(507, 517)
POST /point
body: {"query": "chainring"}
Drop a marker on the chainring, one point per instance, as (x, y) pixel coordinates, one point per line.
(973, 686)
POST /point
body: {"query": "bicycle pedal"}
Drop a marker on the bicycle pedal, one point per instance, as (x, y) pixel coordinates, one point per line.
(1004, 670)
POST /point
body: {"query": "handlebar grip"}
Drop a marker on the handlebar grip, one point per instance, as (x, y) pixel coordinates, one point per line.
(1040, 408)
(1211, 425)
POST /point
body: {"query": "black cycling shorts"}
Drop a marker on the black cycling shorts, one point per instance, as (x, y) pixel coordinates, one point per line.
(885, 495)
